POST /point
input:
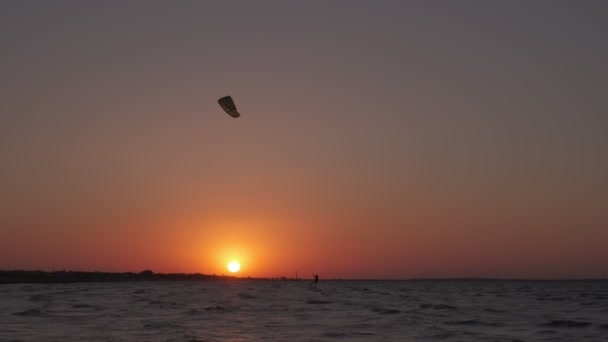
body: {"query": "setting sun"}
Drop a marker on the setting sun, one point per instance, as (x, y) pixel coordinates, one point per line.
(234, 266)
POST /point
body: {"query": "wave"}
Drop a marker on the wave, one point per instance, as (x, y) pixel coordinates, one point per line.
(160, 325)
(40, 298)
(247, 296)
(546, 332)
(362, 333)
(32, 313)
(437, 306)
(334, 334)
(471, 322)
(386, 311)
(192, 312)
(565, 323)
(217, 308)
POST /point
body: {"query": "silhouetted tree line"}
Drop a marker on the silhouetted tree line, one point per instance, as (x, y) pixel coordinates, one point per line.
(20, 276)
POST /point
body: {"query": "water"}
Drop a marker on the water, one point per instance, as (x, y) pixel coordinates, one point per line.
(246, 310)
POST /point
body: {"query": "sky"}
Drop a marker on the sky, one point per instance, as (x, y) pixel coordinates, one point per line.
(378, 139)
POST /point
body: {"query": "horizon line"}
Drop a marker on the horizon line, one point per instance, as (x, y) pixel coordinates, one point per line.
(150, 273)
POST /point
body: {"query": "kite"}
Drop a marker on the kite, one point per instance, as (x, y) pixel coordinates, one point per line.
(228, 105)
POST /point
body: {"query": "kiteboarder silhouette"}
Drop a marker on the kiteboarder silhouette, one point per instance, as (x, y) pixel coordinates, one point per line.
(313, 285)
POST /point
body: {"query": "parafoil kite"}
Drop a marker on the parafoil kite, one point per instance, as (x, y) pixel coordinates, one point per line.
(228, 105)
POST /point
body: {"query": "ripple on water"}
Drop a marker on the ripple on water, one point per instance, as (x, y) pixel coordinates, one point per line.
(386, 311)
(32, 313)
(315, 301)
(160, 325)
(471, 322)
(217, 308)
(40, 298)
(246, 296)
(334, 334)
(565, 323)
(437, 306)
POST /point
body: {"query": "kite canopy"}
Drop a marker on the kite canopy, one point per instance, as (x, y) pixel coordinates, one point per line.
(228, 105)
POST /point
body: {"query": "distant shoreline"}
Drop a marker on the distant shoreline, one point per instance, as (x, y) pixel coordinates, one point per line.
(62, 277)
(22, 276)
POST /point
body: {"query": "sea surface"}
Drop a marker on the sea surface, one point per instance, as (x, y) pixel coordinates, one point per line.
(251, 310)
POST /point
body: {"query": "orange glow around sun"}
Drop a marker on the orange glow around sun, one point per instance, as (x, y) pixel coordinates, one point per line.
(248, 243)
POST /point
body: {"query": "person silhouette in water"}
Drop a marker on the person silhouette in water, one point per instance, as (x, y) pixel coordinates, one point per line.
(315, 281)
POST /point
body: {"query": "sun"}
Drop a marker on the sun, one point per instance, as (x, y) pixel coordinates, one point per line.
(234, 266)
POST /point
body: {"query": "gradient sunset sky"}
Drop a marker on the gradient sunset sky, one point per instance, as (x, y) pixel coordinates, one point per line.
(378, 139)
